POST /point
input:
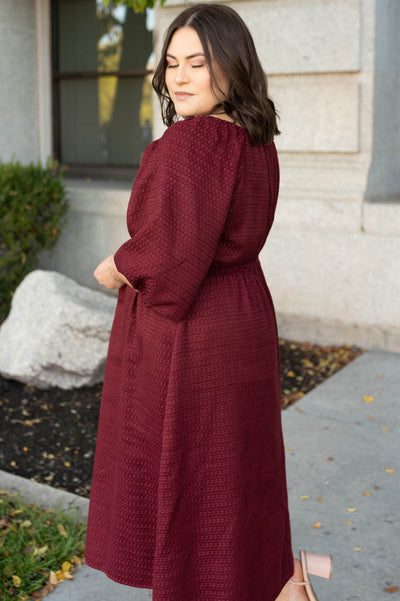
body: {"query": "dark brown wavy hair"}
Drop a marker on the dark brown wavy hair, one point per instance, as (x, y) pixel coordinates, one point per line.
(226, 40)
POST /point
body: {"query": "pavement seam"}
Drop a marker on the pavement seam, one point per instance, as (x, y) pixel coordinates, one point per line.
(350, 422)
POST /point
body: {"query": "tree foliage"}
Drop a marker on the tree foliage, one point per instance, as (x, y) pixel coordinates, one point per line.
(139, 6)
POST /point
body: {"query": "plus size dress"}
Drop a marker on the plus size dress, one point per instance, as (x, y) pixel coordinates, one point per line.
(188, 493)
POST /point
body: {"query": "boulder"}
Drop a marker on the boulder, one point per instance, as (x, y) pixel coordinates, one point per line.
(56, 333)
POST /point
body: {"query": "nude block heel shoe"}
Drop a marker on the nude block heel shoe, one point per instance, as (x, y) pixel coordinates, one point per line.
(315, 564)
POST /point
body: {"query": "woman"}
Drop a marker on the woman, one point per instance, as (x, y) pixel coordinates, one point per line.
(188, 492)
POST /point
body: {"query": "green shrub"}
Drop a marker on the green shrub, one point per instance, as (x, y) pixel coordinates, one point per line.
(33, 208)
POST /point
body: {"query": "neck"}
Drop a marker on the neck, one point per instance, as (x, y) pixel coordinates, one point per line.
(226, 117)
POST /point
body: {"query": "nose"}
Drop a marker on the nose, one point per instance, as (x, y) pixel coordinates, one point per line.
(182, 74)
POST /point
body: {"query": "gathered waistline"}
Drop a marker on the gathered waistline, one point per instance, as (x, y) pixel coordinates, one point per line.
(236, 267)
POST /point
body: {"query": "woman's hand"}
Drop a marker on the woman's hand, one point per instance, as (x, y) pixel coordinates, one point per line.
(107, 274)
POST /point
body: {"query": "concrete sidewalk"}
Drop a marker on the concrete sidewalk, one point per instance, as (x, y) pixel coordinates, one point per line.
(339, 447)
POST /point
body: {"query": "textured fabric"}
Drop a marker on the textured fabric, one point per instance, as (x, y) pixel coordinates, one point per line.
(189, 490)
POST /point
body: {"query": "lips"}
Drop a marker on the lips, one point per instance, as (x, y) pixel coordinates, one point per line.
(183, 95)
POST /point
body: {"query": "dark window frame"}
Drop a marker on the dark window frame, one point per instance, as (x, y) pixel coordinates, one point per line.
(80, 169)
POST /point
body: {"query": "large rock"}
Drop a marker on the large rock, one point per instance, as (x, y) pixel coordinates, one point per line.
(57, 332)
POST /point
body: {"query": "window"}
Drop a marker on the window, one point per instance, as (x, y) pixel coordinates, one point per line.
(102, 61)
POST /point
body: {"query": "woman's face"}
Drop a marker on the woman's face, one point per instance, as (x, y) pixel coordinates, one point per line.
(187, 76)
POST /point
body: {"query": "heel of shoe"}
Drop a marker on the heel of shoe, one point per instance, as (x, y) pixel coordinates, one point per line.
(317, 564)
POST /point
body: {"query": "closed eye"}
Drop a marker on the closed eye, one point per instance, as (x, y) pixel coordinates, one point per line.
(193, 66)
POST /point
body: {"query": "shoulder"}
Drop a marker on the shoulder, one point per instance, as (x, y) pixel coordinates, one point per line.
(202, 147)
(204, 131)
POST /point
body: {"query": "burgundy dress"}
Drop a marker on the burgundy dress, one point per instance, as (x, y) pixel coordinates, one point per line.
(189, 493)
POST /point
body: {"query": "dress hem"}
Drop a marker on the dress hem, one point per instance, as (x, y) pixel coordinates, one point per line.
(140, 584)
(118, 580)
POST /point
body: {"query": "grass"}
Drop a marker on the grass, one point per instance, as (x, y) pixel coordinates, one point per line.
(38, 547)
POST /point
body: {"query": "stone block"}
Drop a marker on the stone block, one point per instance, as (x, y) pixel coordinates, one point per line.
(319, 113)
(56, 333)
(330, 215)
(312, 36)
(327, 176)
(338, 276)
(382, 219)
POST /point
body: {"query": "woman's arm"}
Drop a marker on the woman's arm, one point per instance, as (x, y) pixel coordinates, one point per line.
(188, 196)
(108, 275)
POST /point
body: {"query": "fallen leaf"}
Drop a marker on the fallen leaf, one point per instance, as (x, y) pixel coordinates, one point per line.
(391, 589)
(67, 464)
(48, 588)
(352, 509)
(31, 422)
(386, 428)
(304, 497)
(317, 525)
(347, 522)
(367, 493)
(65, 566)
(62, 530)
(26, 523)
(60, 575)
(288, 448)
(320, 498)
(16, 580)
(368, 399)
(358, 549)
(390, 470)
(41, 551)
(291, 374)
(53, 578)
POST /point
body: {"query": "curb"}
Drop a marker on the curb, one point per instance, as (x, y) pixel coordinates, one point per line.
(43, 495)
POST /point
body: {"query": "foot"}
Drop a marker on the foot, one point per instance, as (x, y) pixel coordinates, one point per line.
(291, 591)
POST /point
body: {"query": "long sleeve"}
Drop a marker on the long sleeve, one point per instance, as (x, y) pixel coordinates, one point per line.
(187, 199)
